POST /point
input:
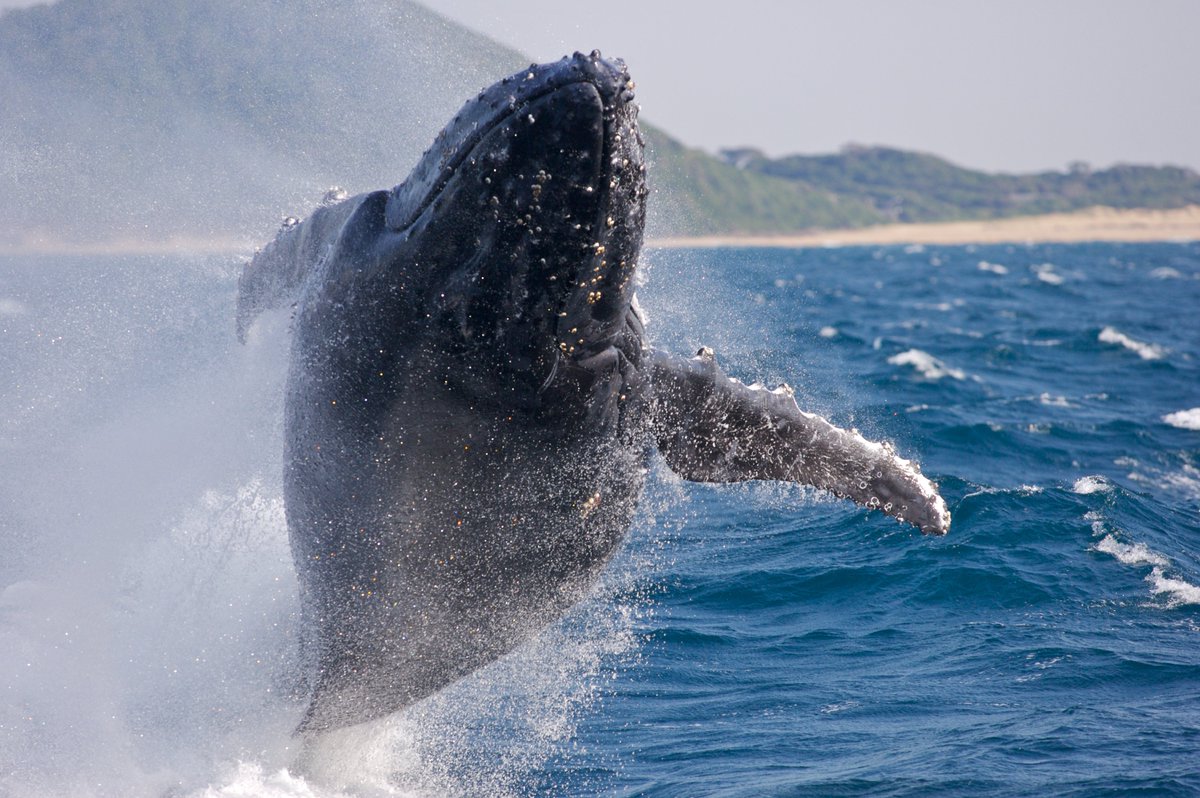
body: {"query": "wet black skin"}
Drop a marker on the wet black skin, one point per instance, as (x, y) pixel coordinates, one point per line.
(472, 399)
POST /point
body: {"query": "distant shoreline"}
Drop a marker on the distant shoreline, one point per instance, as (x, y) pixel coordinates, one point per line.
(1093, 224)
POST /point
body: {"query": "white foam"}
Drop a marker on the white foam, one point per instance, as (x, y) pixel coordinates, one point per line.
(1165, 273)
(1045, 272)
(828, 332)
(1111, 335)
(994, 268)
(1054, 401)
(1177, 591)
(1131, 553)
(928, 365)
(1185, 481)
(1087, 485)
(1184, 419)
(249, 779)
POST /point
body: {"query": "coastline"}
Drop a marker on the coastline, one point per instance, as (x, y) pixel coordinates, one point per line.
(1092, 224)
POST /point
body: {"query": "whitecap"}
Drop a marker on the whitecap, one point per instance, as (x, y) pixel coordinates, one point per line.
(1178, 592)
(1054, 401)
(828, 332)
(1111, 335)
(1131, 553)
(1184, 419)
(928, 365)
(994, 268)
(1186, 481)
(1165, 273)
(1046, 273)
(1095, 484)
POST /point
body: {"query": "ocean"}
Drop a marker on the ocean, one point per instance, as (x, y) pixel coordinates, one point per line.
(750, 640)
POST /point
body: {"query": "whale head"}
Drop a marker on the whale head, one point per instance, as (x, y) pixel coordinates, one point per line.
(522, 226)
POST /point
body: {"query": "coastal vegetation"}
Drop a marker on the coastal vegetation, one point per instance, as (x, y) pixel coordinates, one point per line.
(914, 187)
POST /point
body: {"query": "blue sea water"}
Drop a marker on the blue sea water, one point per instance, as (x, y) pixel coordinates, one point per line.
(750, 640)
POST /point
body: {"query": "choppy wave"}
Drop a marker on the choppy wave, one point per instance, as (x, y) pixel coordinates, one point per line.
(1177, 591)
(926, 364)
(1131, 553)
(1111, 335)
(1047, 273)
(1184, 419)
(1092, 484)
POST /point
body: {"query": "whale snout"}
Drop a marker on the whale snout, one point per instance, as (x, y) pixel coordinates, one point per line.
(530, 207)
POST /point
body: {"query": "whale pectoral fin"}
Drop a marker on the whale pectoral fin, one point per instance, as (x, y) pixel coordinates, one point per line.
(711, 428)
(276, 273)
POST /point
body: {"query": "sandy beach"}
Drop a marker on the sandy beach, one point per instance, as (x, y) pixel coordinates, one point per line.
(1093, 224)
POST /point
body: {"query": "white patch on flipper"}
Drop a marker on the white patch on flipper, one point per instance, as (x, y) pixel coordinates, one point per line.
(887, 452)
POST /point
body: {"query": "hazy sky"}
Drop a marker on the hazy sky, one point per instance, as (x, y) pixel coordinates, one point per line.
(1010, 85)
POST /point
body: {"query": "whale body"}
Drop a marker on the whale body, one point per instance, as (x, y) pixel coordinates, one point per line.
(472, 398)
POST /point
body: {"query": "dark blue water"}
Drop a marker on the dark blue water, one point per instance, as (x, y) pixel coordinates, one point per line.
(1049, 644)
(751, 640)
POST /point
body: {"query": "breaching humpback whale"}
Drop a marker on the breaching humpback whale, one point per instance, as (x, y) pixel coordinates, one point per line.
(472, 399)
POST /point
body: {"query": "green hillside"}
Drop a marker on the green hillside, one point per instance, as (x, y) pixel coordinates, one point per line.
(914, 187)
(698, 194)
